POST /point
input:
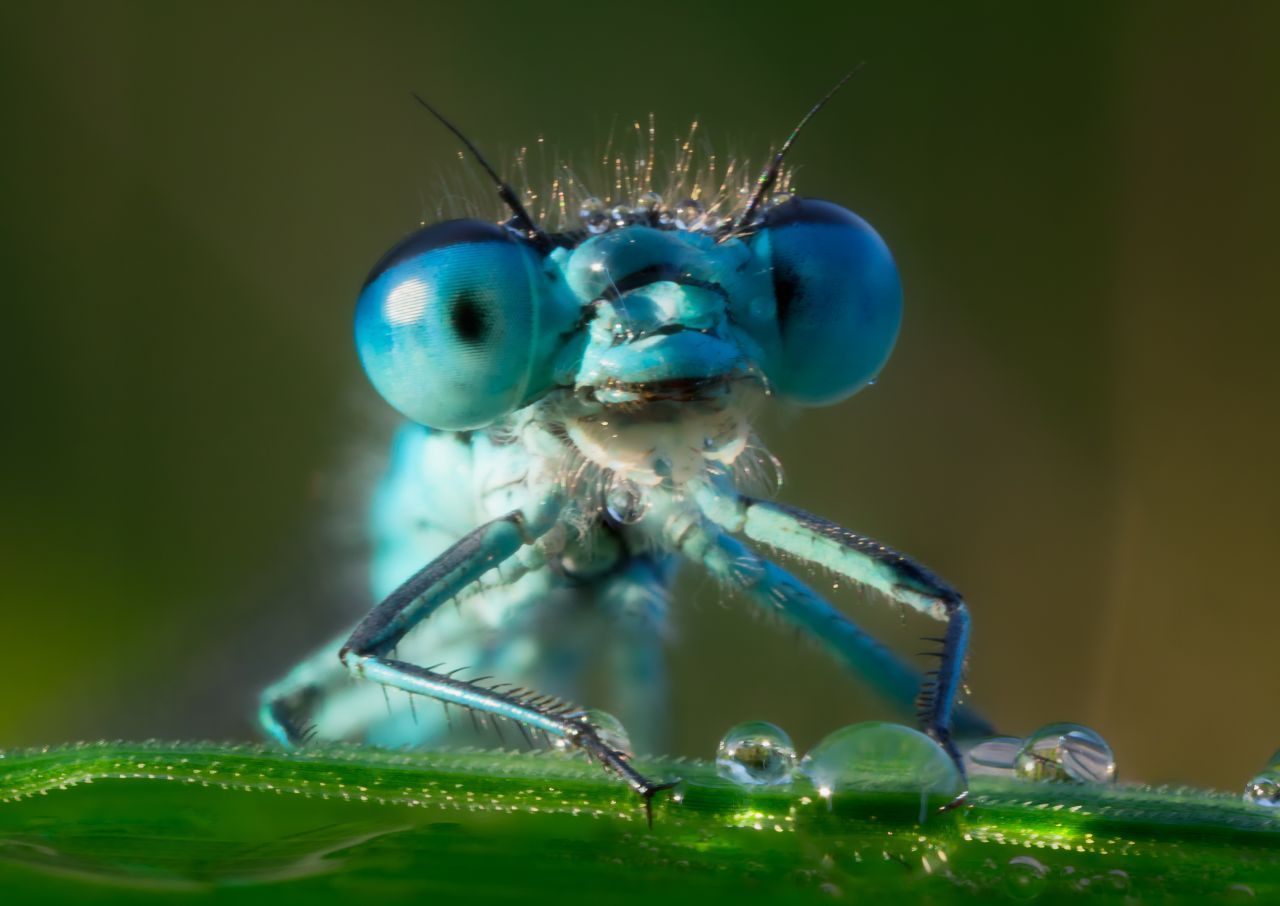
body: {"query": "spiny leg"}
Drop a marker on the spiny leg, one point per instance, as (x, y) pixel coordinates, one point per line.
(777, 590)
(320, 699)
(869, 563)
(366, 652)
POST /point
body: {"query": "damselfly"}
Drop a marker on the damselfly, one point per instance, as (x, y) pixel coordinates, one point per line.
(580, 405)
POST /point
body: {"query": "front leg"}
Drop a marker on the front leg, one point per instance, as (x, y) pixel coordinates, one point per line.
(868, 563)
(366, 653)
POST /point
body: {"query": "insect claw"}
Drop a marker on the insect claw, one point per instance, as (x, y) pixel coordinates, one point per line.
(648, 793)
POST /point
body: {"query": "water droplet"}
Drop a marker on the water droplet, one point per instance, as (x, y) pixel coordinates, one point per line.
(625, 501)
(621, 215)
(994, 757)
(594, 215)
(1066, 753)
(609, 729)
(649, 202)
(756, 753)
(1264, 790)
(688, 213)
(882, 757)
(1024, 879)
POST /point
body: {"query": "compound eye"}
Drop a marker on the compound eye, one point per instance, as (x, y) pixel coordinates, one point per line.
(838, 302)
(450, 324)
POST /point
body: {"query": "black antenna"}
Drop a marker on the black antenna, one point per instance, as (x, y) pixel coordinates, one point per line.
(522, 219)
(770, 176)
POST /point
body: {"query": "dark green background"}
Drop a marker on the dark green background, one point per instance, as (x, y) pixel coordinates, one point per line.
(1079, 428)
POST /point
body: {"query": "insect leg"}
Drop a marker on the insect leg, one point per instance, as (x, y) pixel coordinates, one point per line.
(320, 699)
(871, 564)
(782, 593)
(366, 653)
(286, 705)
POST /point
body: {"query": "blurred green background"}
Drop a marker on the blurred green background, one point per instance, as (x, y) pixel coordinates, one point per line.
(1079, 427)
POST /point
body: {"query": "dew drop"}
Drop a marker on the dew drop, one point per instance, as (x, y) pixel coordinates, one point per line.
(1264, 790)
(625, 501)
(688, 213)
(621, 215)
(993, 757)
(1066, 753)
(756, 753)
(609, 729)
(1024, 878)
(594, 215)
(649, 202)
(882, 757)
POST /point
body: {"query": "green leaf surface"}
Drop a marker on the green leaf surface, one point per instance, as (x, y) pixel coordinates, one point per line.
(139, 823)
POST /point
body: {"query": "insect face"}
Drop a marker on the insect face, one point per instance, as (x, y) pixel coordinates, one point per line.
(651, 330)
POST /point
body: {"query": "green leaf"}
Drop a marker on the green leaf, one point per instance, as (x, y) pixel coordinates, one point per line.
(156, 822)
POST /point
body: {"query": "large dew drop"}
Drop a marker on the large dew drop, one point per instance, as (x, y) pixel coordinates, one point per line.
(756, 753)
(1066, 753)
(883, 757)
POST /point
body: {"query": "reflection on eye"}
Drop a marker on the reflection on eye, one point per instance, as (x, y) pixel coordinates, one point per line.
(406, 302)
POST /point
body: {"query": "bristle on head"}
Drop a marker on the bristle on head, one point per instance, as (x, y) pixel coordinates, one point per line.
(684, 185)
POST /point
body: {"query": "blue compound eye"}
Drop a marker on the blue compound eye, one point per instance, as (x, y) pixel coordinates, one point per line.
(458, 324)
(838, 302)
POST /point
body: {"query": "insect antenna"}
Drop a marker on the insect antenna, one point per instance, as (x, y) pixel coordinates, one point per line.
(765, 184)
(521, 218)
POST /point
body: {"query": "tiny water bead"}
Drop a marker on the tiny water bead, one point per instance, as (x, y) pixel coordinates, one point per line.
(625, 502)
(688, 213)
(1068, 753)
(1264, 790)
(594, 215)
(649, 203)
(608, 728)
(882, 757)
(621, 214)
(756, 753)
